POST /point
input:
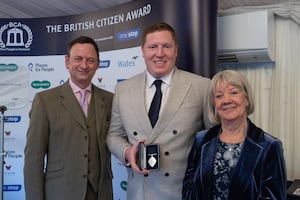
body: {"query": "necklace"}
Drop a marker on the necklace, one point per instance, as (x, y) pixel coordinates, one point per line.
(231, 152)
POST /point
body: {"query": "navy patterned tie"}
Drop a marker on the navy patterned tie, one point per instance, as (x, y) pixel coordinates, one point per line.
(155, 104)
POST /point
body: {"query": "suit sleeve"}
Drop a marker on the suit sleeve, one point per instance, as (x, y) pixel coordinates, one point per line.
(116, 139)
(207, 123)
(189, 191)
(35, 150)
(274, 173)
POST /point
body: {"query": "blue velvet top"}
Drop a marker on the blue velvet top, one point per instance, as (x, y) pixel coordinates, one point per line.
(260, 172)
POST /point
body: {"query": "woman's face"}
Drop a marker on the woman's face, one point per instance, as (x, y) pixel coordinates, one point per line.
(231, 103)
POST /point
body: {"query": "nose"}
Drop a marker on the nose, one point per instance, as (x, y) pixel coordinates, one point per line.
(226, 98)
(160, 51)
(84, 63)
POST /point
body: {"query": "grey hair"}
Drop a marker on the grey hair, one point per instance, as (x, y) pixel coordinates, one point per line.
(230, 77)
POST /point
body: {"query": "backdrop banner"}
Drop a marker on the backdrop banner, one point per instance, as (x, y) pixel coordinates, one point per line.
(32, 59)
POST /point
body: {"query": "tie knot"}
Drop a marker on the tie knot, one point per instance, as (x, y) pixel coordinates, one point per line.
(83, 92)
(83, 96)
(157, 83)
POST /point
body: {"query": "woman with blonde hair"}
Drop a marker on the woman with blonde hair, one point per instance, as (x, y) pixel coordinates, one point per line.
(234, 159)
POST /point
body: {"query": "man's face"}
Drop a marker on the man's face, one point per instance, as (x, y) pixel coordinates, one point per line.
(160, 53)
(82, 64)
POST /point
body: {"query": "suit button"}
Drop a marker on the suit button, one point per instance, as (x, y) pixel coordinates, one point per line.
(84, 176)
(167, 153)
(85, 137)
(174, 132)
(167, 174)
(135, 133)
(85, 155)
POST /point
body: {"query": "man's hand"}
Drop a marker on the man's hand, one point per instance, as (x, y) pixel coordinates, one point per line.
(131, 154)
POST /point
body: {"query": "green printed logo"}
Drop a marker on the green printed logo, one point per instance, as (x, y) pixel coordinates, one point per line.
(123, 185)
(40, 84)
(8, 67)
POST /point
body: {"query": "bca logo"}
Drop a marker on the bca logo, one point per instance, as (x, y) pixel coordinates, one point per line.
(15, 36)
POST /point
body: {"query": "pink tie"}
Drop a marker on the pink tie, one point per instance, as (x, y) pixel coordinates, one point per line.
(83, 101)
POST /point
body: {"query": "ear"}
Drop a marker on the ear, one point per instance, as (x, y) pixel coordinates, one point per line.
(67, 61)
(142, 49)
(247, 102)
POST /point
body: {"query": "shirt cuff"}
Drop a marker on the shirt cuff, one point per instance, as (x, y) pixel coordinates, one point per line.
(127, 164)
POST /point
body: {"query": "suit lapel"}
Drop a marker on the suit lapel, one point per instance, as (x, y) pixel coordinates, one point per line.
(207, 166)
(179, 89)
(99, 108)
(137, 95)
(249, 158)
(243, 172)
(71, 104)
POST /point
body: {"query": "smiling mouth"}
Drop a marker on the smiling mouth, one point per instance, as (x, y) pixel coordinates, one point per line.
(159, 62)
(82, 71)
(227, 108)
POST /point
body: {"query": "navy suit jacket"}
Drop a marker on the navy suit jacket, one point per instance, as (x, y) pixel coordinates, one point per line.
(259, 174)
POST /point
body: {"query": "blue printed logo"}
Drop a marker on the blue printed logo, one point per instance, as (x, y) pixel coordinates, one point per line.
(129, 35)
(104, 64)
(12, 188)
(30, 66)
(127, 63)
(12, 119)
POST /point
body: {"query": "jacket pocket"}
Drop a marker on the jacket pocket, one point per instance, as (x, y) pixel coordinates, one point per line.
(54, 169)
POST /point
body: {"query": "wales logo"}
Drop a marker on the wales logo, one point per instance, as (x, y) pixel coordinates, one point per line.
(15, 36)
